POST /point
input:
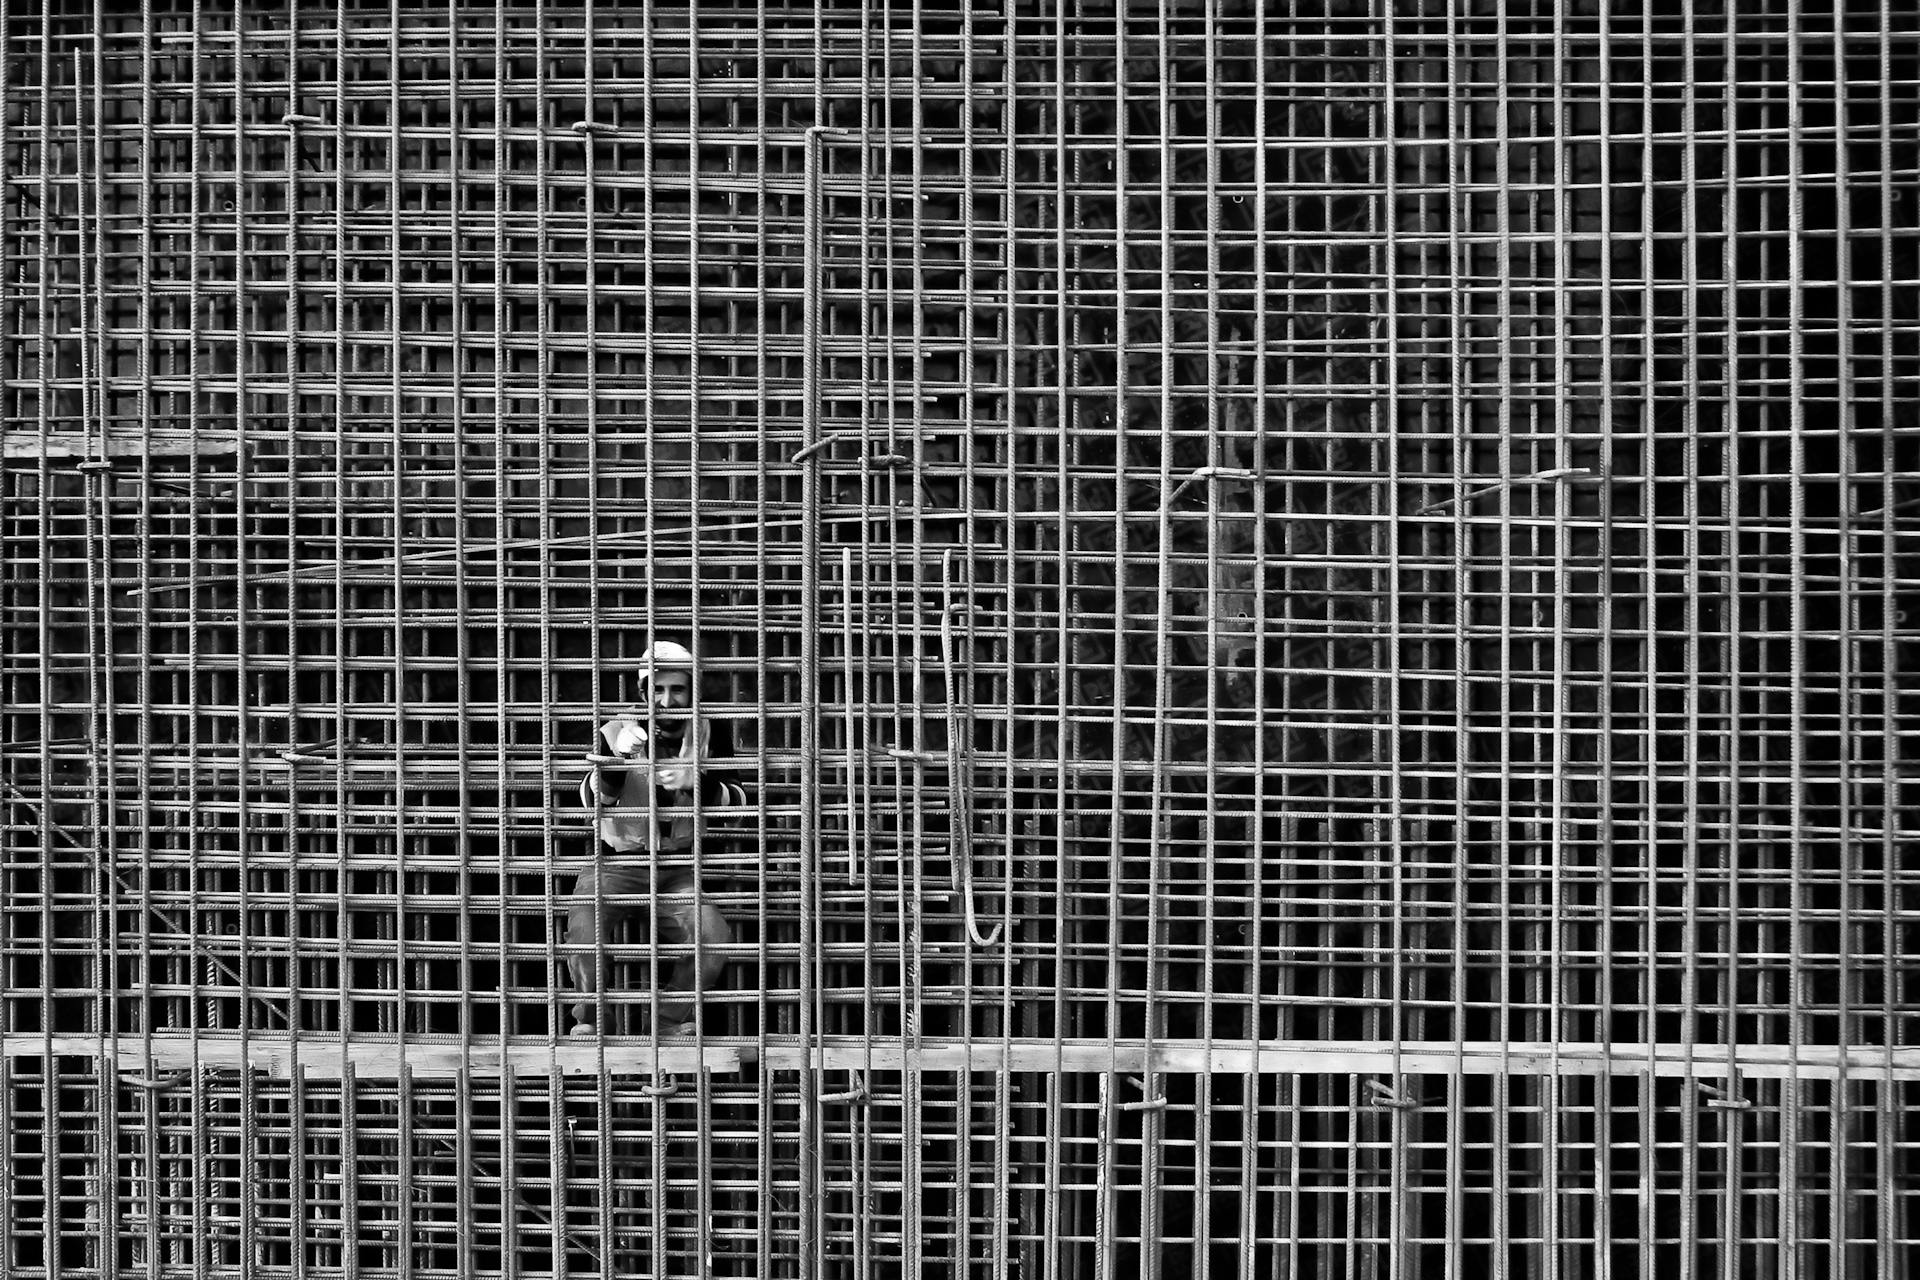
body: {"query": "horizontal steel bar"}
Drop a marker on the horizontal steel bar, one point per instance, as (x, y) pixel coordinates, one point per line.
(321, 1056)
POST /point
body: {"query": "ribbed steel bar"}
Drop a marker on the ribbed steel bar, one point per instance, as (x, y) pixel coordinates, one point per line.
(1349, 566)
(1885, 1244)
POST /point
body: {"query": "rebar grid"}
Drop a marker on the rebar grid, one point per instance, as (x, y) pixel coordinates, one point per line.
(1307, 607)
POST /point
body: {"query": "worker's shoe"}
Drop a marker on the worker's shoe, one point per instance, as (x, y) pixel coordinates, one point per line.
(668, 1030)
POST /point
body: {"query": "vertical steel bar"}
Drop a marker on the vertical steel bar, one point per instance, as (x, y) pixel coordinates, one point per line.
(1219, 451)
(246, 598)
(1506, 823)
(1691, 692)
(392, 968)
(202, 922)
(1792, 1191)
(290, 663)
(559, 1130)
(156, 1206)
(1647, 660)
(606, 1116)
(1458, 538)
(1019, 1014)
(458, 197)
(703, 1201)
(1159, 838)
(298, 1227)
(918, 556)
(814, 270)
(1119, 727)
(1846, 1215)
(1605, 863)
(509, 803)
(202, 1176)
(658, 1194)
(102, 800)
(1253, 1083)
(862, 1144)
(505, 705)
(764, 313)
(1733, 602)
(1554, 442)
(53, 1138)
(1563, 657)
(1399, 1176)
(1062, 1212)
(1843, 1210)
(408, 1252)
(650, 458)
(346, 315)
(1893, 814)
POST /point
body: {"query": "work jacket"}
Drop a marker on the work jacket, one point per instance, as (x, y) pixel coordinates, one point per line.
(677, 783)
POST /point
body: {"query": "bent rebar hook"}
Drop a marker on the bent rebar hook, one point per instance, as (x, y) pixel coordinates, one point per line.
(960, 763)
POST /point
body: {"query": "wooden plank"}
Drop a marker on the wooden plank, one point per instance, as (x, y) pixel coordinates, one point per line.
(1361, 1057)
(30, 446)
(322, 1057)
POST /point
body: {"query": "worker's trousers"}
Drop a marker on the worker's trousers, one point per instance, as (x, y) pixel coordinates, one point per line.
(679, 918)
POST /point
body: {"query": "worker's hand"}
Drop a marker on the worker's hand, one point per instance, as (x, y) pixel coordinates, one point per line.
(606, 785)
(730, 796)
(624, 736)
(677, 777)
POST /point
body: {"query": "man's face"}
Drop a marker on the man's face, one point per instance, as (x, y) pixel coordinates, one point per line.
(672, 691)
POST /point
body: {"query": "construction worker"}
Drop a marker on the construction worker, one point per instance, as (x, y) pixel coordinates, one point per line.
(642, 830)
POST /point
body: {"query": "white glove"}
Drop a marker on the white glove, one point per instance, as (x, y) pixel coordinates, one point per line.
(624, 737)
(677, 777)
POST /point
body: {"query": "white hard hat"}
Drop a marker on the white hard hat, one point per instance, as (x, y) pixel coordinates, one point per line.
(664, 653)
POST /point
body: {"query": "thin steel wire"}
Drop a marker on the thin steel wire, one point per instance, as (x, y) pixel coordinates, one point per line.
(1350, 568)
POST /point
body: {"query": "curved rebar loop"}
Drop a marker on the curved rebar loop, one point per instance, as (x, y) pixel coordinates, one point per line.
(960, 758)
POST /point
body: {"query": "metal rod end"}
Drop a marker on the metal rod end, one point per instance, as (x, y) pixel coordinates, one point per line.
(818, 447)
(918, 757)
(857, 1094)
(1725, 1099)
(1158, 1102)
(1384, 1095)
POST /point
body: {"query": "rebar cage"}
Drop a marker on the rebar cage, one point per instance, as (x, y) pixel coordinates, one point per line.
(1307, 602)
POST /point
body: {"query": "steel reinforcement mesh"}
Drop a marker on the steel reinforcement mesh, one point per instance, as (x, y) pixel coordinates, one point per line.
(1306, 604)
